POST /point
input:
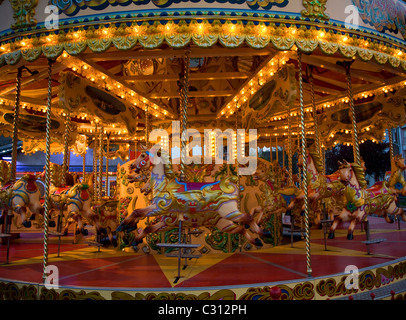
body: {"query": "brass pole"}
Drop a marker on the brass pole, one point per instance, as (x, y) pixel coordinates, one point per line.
(15, 127)
(290, 166)
(65, 165)
(184, 106)
(107, 163)
(100, 172)
(355, 142)
(391, 151)
(316, 125)
(304, 153)
(95, 182)
(47, 171)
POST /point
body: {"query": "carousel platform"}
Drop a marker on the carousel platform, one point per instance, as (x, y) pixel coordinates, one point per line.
(84, 272)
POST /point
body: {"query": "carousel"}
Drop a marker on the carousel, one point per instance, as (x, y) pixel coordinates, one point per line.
(170, 106)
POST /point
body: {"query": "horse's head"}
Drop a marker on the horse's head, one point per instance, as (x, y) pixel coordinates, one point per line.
(143, 160)
(399, 162)
(346, 172)
(261, 173)
(300, 161)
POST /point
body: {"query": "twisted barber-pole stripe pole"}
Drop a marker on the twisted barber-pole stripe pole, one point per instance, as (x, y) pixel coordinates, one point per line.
(15, 128)
(355, 142)
(47, 171)
(184, 105)
(304, 155)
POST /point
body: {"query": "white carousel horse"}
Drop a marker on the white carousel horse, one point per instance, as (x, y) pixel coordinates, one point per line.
(25, 194)
(201, 204)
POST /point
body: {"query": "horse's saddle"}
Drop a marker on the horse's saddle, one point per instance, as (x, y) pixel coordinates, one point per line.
(379, 188)
(31, 183)
(193, 186)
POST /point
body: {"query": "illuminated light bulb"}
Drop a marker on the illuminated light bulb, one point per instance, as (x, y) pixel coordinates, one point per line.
(200, 27)
(345, 38)
(321, 34)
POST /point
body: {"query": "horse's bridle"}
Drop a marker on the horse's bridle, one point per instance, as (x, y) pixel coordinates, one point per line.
(144, 161)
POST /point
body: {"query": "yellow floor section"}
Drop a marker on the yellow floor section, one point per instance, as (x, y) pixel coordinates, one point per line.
(169, 266)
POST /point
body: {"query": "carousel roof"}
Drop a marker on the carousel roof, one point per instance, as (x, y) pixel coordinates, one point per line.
(107, 72)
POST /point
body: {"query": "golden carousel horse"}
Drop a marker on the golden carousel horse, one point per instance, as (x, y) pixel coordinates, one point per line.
(360, 201)
(273, 202)
(396, 180)
(320, 186)
(200, 204)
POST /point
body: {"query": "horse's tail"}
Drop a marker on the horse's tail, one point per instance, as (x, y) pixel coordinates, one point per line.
(227, 184)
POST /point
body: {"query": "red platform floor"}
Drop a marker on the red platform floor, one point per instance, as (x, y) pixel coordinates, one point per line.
(82, 266)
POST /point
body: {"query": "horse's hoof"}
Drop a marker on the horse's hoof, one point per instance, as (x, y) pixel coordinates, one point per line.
(32, 217)
(114, 241)
(105, 240)
(65, 233)
(135, 243)
(302, 213)
(77, 231)
(52, 224)
(267, 233)
(350, 236)
(103, 230)
(27, 224)
(258, 242)
(331, 235)
(85, 232)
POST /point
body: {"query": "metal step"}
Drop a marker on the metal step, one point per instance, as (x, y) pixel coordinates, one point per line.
(326, 221)
(94, 243)
(55, 233)
(373, 241)
(178, 245)
(195, 232)
(5, 235)
(183, 255)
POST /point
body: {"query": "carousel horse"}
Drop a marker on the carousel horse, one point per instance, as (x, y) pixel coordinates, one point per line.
(25, 194)
(274, 202)
(107, 214)
(396, 180)
(79, 206)
(320, 186)
(361, 201)
(200, 204)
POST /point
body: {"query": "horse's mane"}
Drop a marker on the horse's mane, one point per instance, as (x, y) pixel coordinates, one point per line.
(360, 174)
(316, 159)
(166, 158)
